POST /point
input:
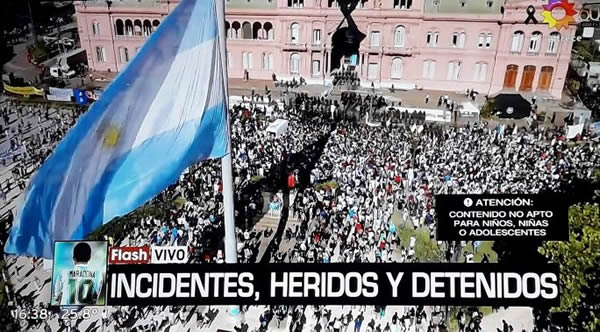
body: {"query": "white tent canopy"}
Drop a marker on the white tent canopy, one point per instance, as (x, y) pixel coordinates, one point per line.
(278, 127)
(468, 107)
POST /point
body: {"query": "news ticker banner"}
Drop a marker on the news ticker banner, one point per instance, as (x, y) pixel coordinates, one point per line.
(333, 284)
(493, 217)
(87, 273)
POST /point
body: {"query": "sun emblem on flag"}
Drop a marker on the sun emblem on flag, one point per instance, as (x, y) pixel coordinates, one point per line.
(111, 137)
(563, 22)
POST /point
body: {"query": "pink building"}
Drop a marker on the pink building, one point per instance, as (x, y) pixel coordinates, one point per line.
(435, 44)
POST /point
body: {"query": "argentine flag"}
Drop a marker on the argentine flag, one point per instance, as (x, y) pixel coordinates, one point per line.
(165, 111)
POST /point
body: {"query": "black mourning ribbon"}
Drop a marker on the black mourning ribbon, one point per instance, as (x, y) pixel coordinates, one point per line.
(531, 15)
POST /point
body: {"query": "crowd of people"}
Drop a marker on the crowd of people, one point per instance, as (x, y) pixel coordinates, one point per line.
(350, 191)
(346, 78)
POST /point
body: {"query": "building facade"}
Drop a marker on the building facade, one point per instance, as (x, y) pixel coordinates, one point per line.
(449, 45)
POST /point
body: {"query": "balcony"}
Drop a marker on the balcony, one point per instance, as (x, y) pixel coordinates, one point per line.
(131, 37)
(317, 46)
(533, 53)
(294, 47)
(396, 50)
(373, 49)
(515, 52)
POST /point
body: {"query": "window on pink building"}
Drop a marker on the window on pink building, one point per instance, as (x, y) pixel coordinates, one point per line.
(295, 63)
(488, 40)
(316, 68)
(128, 28)
(517, 41)
(402, 4)
(235, 30)
(100, 54)
(429, 69)
(480, 72)
(397, 68)
(96, 28)
(433, 38)
(257, 31)
(147, 28)
(295, 33)
(246, 30)
(375, 39)
(137, 27)
(247, 60)
(535, 42)
(553, 42)
(295, 3)
(317, 37)
(453, 70)
(372, 71)
(269, 31)
(267, 61)
(119, 27)
(458, 39)
(399, 36)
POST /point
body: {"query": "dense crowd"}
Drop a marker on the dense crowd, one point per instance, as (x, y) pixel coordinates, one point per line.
(345, 192)
(346, 78)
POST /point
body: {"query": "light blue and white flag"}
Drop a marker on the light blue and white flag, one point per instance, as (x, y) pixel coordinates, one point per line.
(165, 111)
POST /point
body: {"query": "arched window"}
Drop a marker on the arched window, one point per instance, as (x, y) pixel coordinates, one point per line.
(535, 42)
(399, 36)
(488, 40)
(147, 28)
(553, 42)
(227, 30)
(128, 28)
(256, 31)
(510, 76)
(545, 80)
(480, 72)
(155, 24)
(295, 33)
(397, 68)
(517, 41)
(458, 39)
(294, 63)
(269, 31)
(119, 27)
(137, 27)
(236, 27)
(433, 37)
(481, 41)
(246, 30)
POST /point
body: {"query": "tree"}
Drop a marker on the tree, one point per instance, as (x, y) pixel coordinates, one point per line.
(578, 259)
(488, 108)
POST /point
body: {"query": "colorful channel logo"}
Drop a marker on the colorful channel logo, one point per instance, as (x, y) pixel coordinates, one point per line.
(562, 22)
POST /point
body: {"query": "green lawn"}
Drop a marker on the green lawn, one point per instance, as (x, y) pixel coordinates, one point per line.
(484, 248)
(426, 249)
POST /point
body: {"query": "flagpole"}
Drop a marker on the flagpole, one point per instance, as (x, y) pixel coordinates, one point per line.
(226, 168)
